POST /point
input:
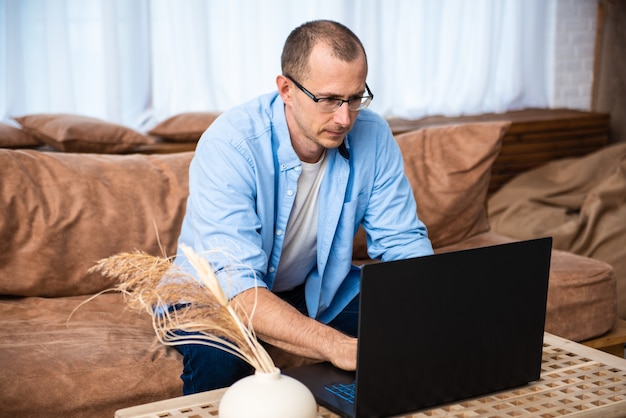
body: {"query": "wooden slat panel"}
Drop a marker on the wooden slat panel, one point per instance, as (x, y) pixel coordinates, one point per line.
(550, 148)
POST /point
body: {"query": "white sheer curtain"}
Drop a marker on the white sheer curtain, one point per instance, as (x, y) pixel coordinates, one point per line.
(138, 61)
(75, 56)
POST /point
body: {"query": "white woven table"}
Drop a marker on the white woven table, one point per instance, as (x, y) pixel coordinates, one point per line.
(576, 381)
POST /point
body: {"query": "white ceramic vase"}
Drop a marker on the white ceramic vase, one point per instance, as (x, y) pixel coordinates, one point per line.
(268, 395)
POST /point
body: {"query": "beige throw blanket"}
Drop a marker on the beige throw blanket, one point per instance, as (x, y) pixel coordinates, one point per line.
(580, 202)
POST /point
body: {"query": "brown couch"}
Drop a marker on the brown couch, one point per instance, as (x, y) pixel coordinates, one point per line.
(63, 211)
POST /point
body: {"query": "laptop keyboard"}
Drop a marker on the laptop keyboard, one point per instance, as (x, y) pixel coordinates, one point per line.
(344, 391)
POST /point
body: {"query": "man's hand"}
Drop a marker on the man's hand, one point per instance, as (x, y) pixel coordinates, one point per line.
(280, 324)
(345, 354)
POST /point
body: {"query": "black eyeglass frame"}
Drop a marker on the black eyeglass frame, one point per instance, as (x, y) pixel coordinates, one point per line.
(362, 104)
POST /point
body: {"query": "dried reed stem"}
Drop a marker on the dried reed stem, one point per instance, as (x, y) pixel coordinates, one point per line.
(202, 306)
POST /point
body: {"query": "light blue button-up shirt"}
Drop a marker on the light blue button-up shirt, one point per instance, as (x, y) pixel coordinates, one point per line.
(242, 185)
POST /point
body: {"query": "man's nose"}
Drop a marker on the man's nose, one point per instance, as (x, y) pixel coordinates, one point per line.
(342, 115)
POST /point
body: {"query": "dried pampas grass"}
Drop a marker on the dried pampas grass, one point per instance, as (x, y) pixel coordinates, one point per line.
(202, 306)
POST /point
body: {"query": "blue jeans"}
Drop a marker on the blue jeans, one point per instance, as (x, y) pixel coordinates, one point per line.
(207, 368)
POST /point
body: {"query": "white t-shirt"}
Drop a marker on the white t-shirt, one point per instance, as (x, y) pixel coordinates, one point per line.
(299, 254)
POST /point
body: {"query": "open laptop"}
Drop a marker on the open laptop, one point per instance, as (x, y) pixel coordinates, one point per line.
(442, 328)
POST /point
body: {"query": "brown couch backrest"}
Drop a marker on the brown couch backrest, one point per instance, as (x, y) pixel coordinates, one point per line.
(61, 212)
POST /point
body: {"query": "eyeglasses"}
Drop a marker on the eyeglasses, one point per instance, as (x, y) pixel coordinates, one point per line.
(331, 104)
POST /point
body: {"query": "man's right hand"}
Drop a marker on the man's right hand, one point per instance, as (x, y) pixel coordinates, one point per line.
(280, 324)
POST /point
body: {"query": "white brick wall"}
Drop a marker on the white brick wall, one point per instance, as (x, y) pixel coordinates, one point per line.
(574, 43)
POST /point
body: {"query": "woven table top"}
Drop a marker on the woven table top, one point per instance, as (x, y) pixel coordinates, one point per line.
(575, 381)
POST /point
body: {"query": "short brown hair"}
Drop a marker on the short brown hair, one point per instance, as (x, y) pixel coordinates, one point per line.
(300, 42)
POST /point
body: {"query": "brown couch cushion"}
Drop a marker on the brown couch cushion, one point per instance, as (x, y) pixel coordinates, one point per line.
(12, 137)
(102, 360)
(74, 133)
(581, 291)
(449, 169)
(185, 127)
(62, 212)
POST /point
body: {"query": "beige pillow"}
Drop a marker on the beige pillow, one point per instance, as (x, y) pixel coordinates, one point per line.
(449, 168)
(185, 127)
(63, 212)
(74, 133)
(12, 137)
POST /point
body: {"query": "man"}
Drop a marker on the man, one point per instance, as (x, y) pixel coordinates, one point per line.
(283, 183)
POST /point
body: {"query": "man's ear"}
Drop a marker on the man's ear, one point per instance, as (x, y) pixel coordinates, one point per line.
(284, 88)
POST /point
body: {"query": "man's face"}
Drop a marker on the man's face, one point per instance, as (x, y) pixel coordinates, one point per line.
(313, 131)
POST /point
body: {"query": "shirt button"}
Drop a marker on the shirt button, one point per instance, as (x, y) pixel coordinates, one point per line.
(289, 192)
(283, 166)
(279, 232)
(271, 269)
